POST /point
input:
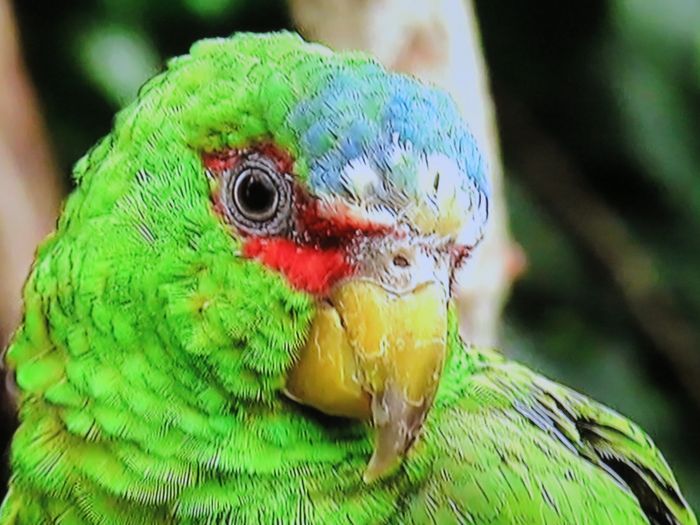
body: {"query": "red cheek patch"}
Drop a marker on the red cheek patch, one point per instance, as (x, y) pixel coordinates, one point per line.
(306, 267)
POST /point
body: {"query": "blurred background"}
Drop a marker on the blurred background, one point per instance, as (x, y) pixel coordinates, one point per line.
(598, 112)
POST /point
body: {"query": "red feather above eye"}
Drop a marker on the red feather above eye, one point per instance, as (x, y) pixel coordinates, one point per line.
(220, 161)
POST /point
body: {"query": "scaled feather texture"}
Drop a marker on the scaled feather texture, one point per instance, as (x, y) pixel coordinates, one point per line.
(158, 335)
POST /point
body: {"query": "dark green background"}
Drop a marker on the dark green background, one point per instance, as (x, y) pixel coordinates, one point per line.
(599, 109)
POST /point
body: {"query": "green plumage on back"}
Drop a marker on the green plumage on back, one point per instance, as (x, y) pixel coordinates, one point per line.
(164, 317)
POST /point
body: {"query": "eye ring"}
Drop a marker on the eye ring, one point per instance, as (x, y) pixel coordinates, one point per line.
(258, 198)
(255, 195)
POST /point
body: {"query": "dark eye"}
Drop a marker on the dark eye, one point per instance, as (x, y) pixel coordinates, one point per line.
(258, 196)
(255, 195)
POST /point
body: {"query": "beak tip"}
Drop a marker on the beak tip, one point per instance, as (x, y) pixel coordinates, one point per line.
(397, 425)
(380, 466)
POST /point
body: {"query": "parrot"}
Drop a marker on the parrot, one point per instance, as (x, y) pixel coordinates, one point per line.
(246, 316)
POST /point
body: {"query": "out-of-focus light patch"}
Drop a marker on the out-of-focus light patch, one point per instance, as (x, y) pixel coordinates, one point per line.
(117, 61)
(208, 9)
(649, 70)
(697, 58)
(671, 22)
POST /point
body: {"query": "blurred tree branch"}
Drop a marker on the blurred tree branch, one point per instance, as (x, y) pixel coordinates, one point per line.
(29, 196)
(439, 42)
(29, 188)
(552, 174)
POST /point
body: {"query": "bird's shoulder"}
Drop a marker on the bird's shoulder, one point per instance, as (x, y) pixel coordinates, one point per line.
(519, 447)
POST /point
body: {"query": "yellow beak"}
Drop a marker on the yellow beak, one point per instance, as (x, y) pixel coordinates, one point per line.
(375, 355)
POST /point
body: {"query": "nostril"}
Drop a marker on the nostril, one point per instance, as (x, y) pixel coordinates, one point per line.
(400, 261)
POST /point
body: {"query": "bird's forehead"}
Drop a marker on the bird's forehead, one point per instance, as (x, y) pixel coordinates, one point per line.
(389, 147)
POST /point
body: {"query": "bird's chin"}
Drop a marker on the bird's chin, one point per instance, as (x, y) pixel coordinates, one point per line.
(375, 355)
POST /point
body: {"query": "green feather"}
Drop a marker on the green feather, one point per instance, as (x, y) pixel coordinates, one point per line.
(151, 355)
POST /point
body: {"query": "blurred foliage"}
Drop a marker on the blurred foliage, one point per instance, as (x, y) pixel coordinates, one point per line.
(612, 85)
(117, 60)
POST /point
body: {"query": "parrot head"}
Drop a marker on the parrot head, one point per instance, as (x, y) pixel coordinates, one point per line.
(286, 222)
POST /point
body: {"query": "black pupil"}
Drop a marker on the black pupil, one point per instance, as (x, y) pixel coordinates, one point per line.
(256, 195)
